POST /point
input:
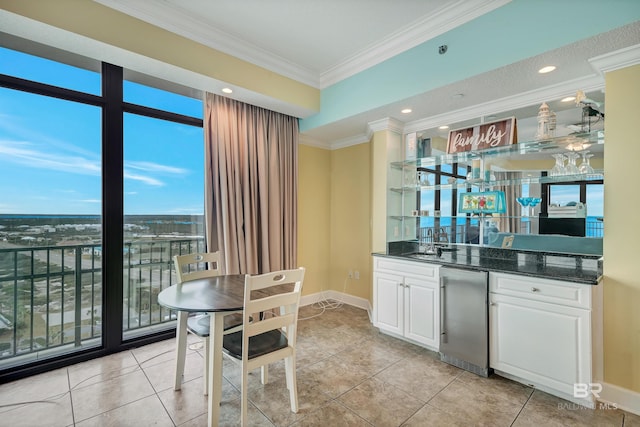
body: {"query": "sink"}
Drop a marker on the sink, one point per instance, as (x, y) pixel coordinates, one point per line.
(425, 255)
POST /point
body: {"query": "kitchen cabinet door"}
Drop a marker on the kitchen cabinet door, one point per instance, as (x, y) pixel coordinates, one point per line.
(422, 311)
(388, 302)
(546, 344)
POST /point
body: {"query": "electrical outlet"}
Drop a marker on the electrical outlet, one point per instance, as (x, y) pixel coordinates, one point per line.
(350, 274)
(357, 275)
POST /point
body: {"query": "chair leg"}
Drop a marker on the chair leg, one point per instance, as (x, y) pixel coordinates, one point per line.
(181, 348)
(290, 372)
(244, 391)
(205, 341)
(264, 374)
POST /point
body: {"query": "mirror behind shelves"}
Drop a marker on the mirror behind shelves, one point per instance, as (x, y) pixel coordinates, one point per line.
(553, 197)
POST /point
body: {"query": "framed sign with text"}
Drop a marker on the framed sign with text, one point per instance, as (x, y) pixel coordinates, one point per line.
(483, 136)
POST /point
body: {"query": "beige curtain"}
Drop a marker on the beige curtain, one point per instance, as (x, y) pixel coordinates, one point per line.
(511, 221)
(251, 176)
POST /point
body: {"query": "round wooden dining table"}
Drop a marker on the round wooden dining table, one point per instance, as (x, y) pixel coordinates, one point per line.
(215, 295)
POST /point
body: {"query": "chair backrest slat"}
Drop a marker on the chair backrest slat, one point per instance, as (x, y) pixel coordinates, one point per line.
(196, 266)
(278, 322)
(273, 301)
(282, 304)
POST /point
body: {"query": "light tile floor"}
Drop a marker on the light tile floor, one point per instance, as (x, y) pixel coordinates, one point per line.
(348, 375)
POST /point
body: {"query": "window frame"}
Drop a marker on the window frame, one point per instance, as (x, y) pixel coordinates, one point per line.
(112, 151)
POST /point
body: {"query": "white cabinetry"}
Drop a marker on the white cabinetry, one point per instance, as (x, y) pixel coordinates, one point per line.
(541, 332)
(406, 300)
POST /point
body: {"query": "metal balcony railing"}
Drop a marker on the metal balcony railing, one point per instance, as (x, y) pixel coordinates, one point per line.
(51, 297)
(462, 233)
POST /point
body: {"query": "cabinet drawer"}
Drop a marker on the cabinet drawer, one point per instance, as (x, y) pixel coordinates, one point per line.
(546, 290)
(416, 268)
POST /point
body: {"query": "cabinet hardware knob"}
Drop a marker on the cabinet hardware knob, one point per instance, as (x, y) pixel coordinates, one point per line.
(493, 303)
(535, 290)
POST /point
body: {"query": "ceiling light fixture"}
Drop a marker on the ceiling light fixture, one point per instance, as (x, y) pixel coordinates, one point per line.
(457, 96)
(568, 99)
(227, 90)
(547, 69)
(406, 111)
(443, 127)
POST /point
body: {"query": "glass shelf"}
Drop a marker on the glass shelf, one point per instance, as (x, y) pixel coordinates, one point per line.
(463, 185)
(550, 146)
(488, 217)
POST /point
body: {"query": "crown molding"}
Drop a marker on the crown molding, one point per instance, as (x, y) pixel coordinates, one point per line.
(175, 20)
(348, 142)
(589, 83)
(615, 60)
(166, 16)
(412, 35)
(388, 123)
(39, 32)
(312, 142)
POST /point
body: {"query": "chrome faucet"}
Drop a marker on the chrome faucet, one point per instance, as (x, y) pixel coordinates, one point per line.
(429, 242)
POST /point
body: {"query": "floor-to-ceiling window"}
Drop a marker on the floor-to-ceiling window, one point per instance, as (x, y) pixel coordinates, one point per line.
(84, 153)
(163, 198)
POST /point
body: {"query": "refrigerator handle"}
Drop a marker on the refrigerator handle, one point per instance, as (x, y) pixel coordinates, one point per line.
(443, 333)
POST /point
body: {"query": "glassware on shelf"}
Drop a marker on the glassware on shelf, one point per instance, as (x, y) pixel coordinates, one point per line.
(410, 178)
(585, 166)
(533, 202)
(558, 169)
(571, 168)
(424, 178)
(524, 201)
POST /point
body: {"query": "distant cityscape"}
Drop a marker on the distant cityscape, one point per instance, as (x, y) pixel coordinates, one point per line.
(52, 230)
(51, 275)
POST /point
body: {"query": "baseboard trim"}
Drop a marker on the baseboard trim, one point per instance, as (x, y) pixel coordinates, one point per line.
(338, 296)
(623, 398)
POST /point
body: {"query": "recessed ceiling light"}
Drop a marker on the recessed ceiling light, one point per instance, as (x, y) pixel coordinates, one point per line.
(547, 69)
(444, 127)
(227, 90)
(568, 99)
(406, 111)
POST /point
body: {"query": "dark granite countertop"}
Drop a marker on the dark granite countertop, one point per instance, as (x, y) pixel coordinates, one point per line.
(585, 269)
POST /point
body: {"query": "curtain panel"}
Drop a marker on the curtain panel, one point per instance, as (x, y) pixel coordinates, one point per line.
(251, 186)
(510, 222)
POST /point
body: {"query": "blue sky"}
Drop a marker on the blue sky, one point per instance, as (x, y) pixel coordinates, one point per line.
(50, 149)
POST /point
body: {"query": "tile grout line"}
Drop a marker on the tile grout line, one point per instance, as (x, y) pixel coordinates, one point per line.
(155, 392)
(522, 409)
(73, 412)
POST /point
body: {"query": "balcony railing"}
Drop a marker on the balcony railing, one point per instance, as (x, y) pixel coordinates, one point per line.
(464, 233)
(51, 297)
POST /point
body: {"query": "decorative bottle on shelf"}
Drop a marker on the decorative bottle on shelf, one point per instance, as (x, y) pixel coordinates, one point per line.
(544, 121)
(475, 169)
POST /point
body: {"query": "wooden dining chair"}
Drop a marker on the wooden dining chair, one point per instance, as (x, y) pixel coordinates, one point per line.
(190, 267)
(271, 336)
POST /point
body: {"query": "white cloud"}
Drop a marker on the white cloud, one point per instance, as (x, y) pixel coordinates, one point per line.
(143, 178)
(155, 167)
(28, 154)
